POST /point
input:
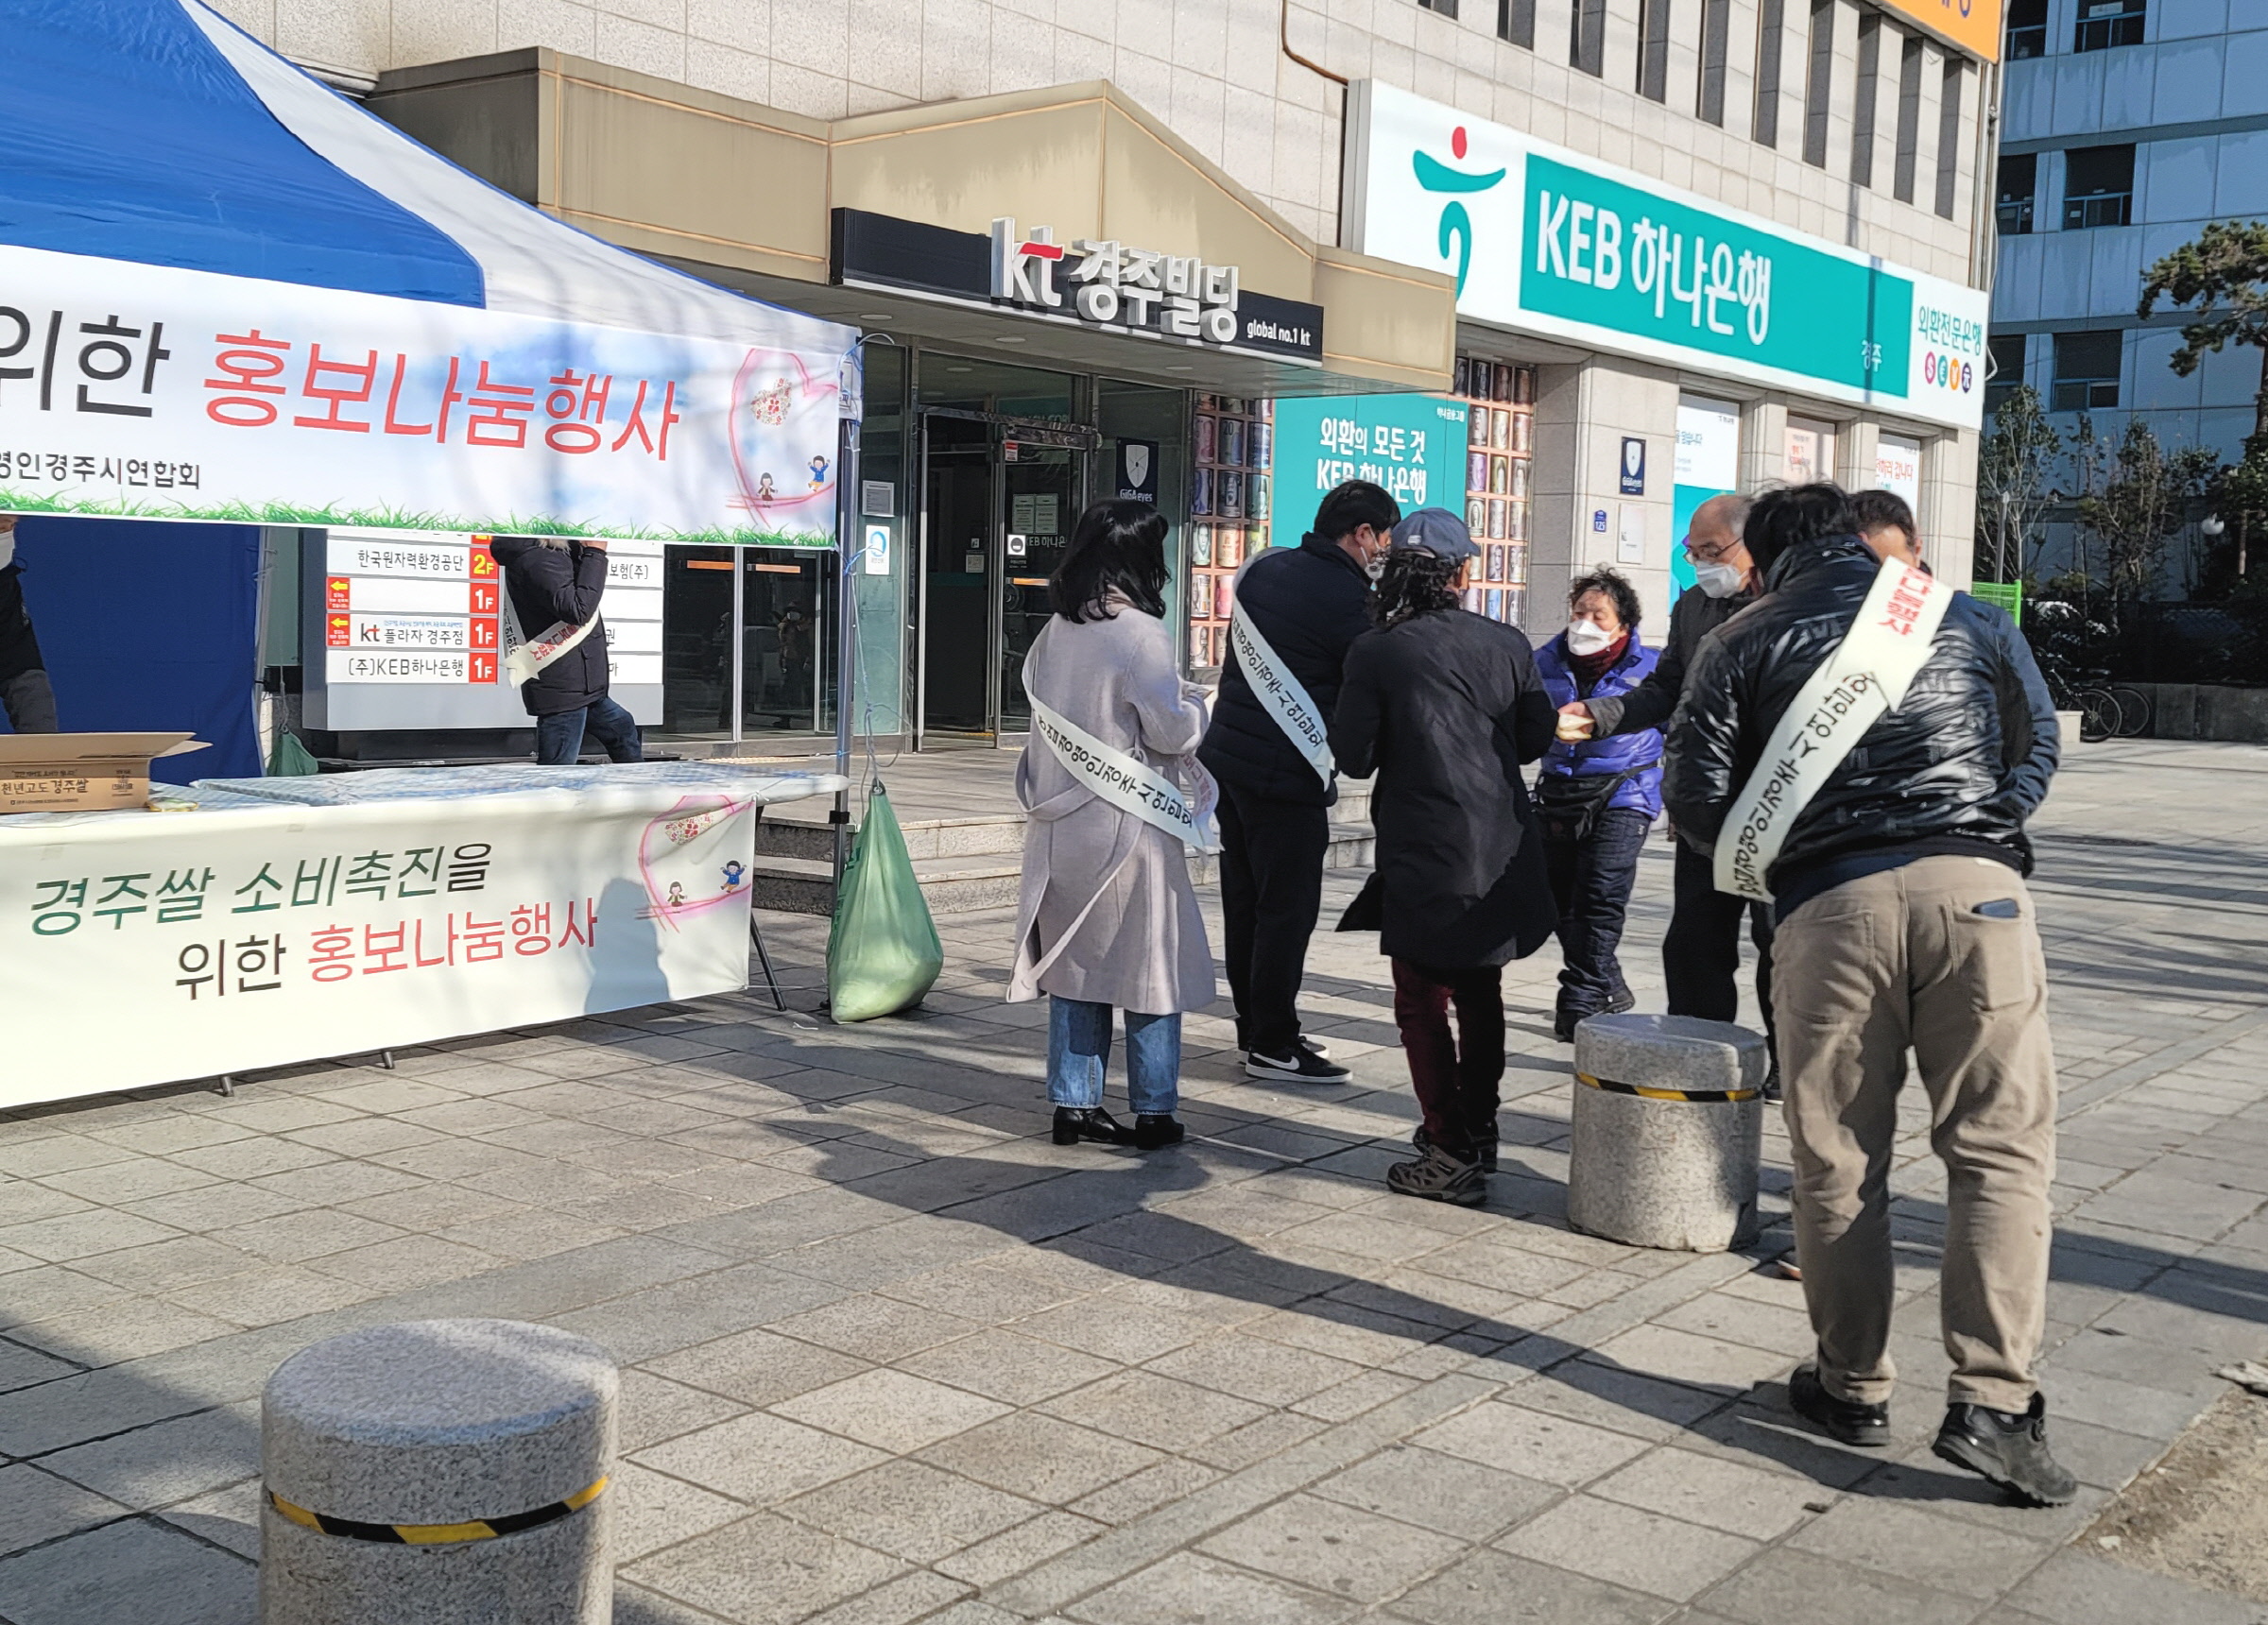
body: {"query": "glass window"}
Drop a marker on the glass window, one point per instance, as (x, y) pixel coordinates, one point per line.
(2086, 371)
(1515, 21)
(1819, 83)
(1588, 40)
(1717, 42)
(1949, 136)
(1439, 8)
(1654, 49)
(2103, 23)
(2019, 185)
(1909, 116)
(2027, 29)
(1862, 117)
(2098, 187)
(1811, 450)
(2008, 352)
(1771, 29)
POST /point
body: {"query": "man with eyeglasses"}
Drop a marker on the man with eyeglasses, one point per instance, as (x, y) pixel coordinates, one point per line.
(1701, 953)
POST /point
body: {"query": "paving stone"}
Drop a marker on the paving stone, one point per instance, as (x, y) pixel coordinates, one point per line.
(892, 1409)
(1907, 1542)
(1493, 1588)
(911, 1510)
(1005, 1365)
(37, 1506)
(1439, 1492)
(136, 1570)
(1640, 1551)
(1014, 1551)
(763, 1571)
(653, 1511)
(759, 1458)
(1334, 1548)
(1039, 1457)
(1713, 1492)
(1187, 1589)
(1784, 1584)
(1551, 1450)
(2072, 1588)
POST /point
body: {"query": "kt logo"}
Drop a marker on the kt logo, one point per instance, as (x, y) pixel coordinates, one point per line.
(1457, 225)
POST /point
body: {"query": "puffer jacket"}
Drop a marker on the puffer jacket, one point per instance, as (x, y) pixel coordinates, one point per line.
(1967, 758)
(551, 585)
(1642, 790)
(1693, 617)
(1311, 602)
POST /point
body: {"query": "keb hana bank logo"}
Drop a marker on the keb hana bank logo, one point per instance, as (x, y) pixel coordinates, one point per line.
(1454, 238)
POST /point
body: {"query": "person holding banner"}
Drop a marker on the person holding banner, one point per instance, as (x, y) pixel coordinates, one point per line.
(1862, 748)
(556, 646)
(1108, 918)
(1446, 707)
(1298, 611)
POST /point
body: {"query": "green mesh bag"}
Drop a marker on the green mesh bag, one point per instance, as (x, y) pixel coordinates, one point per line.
(883, 954)
(290, 759)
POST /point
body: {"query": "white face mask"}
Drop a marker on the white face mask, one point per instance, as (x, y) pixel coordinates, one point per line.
(7, 548)
(1587, 637)
(1718, 580)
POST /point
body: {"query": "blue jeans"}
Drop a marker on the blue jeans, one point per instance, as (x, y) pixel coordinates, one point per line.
(1590, 882)
(559, 736)
(1078, 1051)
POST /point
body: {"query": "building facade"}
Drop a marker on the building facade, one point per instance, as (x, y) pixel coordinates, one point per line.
(2127, 126)
(1569, 265)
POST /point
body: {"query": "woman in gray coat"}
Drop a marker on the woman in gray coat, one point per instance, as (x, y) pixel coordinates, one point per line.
(1108, 916)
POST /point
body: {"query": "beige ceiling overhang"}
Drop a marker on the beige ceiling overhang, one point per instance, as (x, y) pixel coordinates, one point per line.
(742, 195)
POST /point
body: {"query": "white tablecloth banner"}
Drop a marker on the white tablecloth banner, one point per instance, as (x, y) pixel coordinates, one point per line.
(150, 949)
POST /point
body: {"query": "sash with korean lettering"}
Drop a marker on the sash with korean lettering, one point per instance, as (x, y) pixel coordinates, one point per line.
(1281, 695)
(1865, 678)
(527, 656)
(1128, 783)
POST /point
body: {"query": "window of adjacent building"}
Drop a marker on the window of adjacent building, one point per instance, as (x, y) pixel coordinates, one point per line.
(1654, 49)
(1819, 82)
(1862, 117)
(1588, 38)
(2027, 29)
(2098, 187)
(1771, 31)
(1811, 450)
(2087, 372)
(2006, 368)
(1949, 136)
(1515, 21)
(2020, 184)
(2106, 23)
(1909, 117)
(1441, 8)
(1717, 40)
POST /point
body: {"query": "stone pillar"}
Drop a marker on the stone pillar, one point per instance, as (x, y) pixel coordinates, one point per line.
(1667, 1132)
(447, 1472)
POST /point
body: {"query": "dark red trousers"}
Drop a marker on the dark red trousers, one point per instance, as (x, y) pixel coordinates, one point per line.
(1456, 1074)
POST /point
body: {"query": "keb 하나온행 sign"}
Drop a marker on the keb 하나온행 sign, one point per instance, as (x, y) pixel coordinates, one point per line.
(1545, 241)
(1412, 445)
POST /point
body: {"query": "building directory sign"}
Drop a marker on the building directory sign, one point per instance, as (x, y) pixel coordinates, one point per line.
(1545, 241)
(1413, 445)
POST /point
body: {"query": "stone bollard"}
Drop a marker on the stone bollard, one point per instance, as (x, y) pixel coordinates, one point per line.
(1669, 1115)
(445, 1472)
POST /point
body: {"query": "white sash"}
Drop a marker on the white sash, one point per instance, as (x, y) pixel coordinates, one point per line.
(527, 656)
(1864, 678)
(1127, 783)
(1281, 692)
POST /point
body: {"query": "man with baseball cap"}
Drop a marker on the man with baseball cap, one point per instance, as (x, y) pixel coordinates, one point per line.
(1446, 707)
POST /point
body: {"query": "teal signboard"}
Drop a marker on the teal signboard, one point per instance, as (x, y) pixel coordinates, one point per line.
(1413, 445)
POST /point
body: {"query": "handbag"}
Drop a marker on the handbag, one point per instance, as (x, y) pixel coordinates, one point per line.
(1569, 804)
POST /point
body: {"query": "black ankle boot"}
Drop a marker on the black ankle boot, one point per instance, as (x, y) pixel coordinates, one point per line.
(1154, 1130)
(1848, 1420)
(1074, 1125)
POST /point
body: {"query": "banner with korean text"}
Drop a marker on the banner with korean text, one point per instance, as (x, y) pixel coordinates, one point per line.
(152, 949)
(153, 392)
(1556, 243)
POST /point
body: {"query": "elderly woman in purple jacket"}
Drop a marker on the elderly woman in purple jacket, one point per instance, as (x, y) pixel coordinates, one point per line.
(1596, 798)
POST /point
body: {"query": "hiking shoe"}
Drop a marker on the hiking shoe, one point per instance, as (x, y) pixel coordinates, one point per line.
(1484, 1145)
(1302, 1065)
(1074, 1125)
(1154, 1130)
(1437, 1176)
(2007, 1448)
(1846, 1420)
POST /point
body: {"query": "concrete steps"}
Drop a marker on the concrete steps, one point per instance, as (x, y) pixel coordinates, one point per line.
(964, 864)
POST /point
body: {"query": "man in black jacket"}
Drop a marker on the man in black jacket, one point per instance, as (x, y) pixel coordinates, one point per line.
(1903, 923)
(555, 584)
(1701, 951)
(24, 690)
(1308, 603)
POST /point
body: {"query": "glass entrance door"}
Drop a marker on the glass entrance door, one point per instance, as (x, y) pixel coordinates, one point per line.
(998, 501)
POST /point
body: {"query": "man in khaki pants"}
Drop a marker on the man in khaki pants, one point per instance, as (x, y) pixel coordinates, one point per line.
(1890, 843)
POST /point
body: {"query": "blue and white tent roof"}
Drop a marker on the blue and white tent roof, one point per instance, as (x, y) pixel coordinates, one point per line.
(156, 131)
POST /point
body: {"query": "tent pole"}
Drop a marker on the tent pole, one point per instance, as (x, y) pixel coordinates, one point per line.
(846, 654)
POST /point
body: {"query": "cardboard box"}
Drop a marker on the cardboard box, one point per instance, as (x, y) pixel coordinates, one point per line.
(81, 772)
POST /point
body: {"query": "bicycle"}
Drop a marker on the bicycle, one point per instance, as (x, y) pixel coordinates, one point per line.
(2120, 713)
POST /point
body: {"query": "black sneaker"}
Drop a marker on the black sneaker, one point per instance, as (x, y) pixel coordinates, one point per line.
(1622, 999)
(1846, 1420)
(1485, 1146)
(1153, 1131)
(1564, 1022)
(1772, 1090)
(1074, 1125)
(1437, 1176)
(2008, 1449)
(1302, 1065)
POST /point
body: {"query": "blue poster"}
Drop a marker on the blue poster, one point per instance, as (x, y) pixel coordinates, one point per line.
(1413, 445)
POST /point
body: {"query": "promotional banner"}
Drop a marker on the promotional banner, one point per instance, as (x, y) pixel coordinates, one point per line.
(149, 391)
(260, 936)
(1546, 241)
(1413, 445)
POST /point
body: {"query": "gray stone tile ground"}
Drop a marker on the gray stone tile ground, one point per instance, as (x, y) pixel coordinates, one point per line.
(892, 1357)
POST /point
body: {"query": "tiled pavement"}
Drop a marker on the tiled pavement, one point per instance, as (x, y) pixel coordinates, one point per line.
(891, 1356)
